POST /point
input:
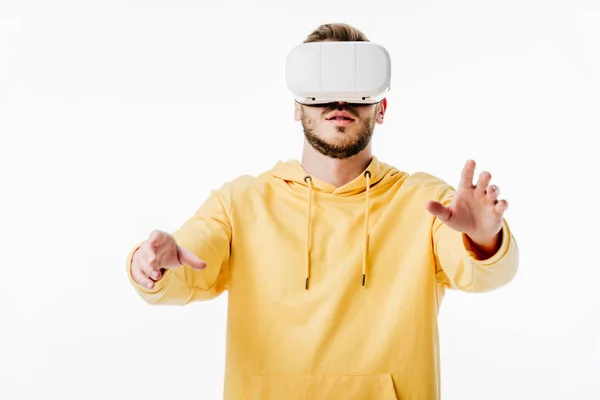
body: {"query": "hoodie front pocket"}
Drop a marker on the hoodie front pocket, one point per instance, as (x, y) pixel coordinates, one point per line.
(321, 387)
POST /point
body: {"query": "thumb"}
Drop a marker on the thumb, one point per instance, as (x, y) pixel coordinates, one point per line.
(439, 210)
(186, 257)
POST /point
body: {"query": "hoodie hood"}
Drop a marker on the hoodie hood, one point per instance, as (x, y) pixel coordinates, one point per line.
(376, 174)
(381, 174)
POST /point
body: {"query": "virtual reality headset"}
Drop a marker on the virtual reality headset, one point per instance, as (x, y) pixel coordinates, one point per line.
(324, 72)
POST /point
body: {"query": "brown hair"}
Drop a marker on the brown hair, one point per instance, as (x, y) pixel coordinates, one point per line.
(336, 32)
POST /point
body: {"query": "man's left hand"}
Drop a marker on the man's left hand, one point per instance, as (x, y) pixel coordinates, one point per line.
(475, 209)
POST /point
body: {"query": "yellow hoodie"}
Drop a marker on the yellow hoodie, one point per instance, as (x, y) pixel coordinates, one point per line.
(333, 293)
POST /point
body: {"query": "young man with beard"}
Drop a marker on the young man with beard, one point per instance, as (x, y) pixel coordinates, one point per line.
(335, 265)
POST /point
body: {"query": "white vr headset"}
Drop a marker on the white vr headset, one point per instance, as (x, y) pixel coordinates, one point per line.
(326, 72)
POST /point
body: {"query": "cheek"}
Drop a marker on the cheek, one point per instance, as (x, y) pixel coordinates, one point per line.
(317, 120)
(367, 115)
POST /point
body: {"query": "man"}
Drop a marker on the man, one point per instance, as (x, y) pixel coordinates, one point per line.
(335, 266)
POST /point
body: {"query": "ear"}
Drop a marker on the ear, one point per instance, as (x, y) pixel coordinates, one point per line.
(381, 108)
(297, 111)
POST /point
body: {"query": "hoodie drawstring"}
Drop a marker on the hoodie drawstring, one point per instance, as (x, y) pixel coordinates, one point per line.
(364, 264)
(308, 180)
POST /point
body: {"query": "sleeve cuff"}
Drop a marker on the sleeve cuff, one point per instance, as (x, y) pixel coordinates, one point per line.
(504, 245)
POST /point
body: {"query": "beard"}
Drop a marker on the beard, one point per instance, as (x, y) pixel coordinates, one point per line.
(347, 148)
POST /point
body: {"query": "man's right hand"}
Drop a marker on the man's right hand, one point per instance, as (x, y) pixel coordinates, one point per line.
(160, 251)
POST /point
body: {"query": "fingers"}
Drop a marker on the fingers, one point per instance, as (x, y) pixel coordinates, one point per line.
(466, 180)
(491, 194)
(144, 275)
(488, 192)
(186, 257)
(483, 182)
(162, 251)
(144, 270)
(140, 278)
(145, 267)
(150, 267)
(468, 173)
(501, 206)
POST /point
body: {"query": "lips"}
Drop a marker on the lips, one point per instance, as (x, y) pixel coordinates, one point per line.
(340, 116)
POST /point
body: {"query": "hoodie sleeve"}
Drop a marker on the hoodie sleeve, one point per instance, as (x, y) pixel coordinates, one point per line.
(207, 234)
(457, 265)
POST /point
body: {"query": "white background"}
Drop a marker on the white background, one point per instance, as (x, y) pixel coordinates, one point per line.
(119, 117)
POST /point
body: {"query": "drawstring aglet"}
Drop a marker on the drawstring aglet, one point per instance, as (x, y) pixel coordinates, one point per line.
(306, 284)
(363, 280)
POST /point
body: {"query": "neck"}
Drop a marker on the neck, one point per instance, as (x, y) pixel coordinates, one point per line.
(333, 171)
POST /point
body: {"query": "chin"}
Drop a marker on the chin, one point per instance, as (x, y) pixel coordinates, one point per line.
(335, 135)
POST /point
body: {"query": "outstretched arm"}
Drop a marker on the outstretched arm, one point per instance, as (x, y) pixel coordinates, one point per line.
(473, 246)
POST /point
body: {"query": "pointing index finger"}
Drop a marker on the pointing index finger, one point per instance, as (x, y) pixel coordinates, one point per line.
(156, 237)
